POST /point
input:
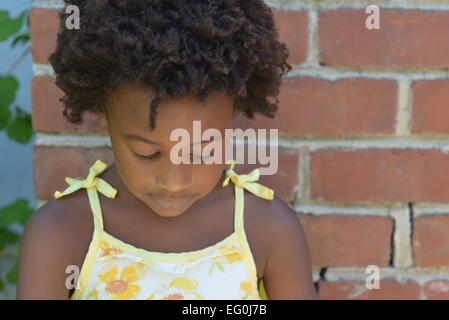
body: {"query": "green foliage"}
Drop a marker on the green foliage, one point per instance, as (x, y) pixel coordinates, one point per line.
(17, 124)
(19, 212)
(23, 38)
(9, 26)
(8, 89)
(19, 128)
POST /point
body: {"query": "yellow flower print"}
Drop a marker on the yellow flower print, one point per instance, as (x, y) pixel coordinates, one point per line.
(179, 289)
(92, 293)
(106, 249)
(245, 286)
(229, 255)
(174, 296)
(120, 287)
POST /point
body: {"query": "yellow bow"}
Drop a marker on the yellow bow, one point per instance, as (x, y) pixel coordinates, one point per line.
(91, 182)
(247, 181)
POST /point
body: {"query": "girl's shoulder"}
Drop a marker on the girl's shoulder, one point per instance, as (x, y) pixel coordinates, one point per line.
(263, 221)
(265, 213)
(48, 247)
(63, 219)
(271, 216)
(64, 213)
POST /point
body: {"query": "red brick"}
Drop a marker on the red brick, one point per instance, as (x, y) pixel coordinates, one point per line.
(44, 25)
(389, 290)
(385, 175)
(48, 111)
(52, 165)
(406, 38)
(348, 240)
(356, 290)
(310, 106)
(436, 290)
(431, 240)
(430, 111)
(294, 32)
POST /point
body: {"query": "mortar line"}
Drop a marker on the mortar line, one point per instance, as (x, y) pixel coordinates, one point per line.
(404, 109)
(301, 6)
(304, 175)
(313, 52)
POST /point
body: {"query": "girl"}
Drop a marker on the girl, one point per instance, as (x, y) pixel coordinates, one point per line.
(145, 227)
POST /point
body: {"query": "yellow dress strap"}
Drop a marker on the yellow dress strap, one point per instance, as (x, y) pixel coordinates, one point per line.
(92, 183)
(248, 182)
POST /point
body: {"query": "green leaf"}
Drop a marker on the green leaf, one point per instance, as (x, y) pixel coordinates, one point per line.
(20, 128)
(220, 266)
(2, 285)
(12, 274)
(90, 294)
(10, 26)
(19, 211)
(7, 237)
(8, 89)
(210, 268)
(20, 38)
(5, 115)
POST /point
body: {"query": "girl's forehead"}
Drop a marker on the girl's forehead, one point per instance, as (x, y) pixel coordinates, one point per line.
(130, 111)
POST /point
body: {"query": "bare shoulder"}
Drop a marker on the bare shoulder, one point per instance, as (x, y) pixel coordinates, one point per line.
(275, 217)
(287, 273)
(61, 219)
(269, 224)
(47, 249)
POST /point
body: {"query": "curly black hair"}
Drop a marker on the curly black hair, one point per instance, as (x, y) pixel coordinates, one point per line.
(175, 47)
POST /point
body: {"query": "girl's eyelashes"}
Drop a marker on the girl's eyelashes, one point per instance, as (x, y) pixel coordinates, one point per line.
(154, 155)
(150, 157)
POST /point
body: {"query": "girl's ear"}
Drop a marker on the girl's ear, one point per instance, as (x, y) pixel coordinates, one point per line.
(103, 124)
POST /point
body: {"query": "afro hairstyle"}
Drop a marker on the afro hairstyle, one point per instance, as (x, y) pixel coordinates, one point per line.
(175, 47)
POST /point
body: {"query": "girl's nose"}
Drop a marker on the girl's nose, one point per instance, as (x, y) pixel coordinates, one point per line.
(175, 178)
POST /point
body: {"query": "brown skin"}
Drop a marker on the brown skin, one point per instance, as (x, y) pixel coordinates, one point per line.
(274, 233)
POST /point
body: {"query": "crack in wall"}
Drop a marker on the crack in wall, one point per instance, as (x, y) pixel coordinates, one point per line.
(411, 208)
(322, 277)
(392, 244)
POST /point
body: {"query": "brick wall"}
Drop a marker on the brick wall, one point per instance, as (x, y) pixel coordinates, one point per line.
(363, 121)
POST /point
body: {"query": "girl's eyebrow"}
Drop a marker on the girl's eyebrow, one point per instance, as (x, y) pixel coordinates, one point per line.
(148, 141)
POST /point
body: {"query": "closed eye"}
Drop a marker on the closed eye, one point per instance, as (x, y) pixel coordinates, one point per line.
(150, 157)
(154, 155)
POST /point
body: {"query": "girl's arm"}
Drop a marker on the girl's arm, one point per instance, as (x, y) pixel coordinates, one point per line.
(288, 273)
(44, 255)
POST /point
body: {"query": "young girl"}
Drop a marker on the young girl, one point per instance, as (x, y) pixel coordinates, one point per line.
(145, 227)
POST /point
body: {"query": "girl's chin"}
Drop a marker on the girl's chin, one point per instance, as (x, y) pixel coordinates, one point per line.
(170, 208)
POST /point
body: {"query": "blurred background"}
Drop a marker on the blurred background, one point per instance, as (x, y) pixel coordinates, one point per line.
(16, 157)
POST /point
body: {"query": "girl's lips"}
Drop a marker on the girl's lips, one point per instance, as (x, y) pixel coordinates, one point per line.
(170, 204)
